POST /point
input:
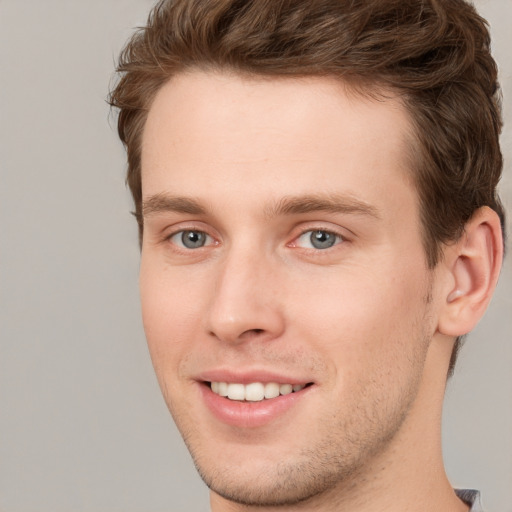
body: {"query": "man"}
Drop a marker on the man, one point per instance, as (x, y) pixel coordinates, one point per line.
(315, 186)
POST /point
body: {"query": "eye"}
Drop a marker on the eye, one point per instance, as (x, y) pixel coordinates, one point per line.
(190, 239)
(318, 239)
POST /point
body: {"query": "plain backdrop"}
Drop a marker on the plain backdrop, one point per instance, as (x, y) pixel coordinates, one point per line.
(82, 424)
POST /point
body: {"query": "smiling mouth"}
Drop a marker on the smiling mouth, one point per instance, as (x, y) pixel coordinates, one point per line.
(255, 391)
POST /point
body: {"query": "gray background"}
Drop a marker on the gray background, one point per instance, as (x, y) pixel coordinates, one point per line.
(82, 423)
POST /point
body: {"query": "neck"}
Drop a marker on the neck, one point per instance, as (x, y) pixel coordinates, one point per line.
(408, 475)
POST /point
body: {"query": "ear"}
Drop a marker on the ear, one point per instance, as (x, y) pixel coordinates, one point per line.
(472, 267)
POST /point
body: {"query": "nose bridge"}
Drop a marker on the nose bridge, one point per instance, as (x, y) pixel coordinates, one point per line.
(244, 302)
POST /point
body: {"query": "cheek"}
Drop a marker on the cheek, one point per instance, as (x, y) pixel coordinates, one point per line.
(364, 318)
(371, 335)
(169, 314)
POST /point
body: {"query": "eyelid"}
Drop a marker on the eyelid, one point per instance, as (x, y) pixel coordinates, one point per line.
(178, 229)
(179, 243)
(338, 239)
(342, 234)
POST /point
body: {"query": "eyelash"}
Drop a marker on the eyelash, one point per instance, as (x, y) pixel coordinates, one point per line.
(182, 232)
(338, 239)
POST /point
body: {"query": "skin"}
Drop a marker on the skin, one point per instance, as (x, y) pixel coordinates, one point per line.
(365, 321)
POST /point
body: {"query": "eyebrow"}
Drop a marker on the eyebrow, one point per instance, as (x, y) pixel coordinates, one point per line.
(331, 203)
(292, 205)
(161, 203)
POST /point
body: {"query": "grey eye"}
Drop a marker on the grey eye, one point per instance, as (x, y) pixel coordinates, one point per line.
(193, 239)
(319, 239)
(322, 239)
(190, 239)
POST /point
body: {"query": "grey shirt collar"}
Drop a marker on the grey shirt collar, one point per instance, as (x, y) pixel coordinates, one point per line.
(471, 497)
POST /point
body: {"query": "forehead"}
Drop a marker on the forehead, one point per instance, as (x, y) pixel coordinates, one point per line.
(213, 132)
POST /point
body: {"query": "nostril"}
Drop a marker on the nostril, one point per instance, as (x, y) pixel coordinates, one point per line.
(249, 333)
(252, 332)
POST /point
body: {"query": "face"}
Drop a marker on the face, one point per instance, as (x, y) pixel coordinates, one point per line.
(282, 266)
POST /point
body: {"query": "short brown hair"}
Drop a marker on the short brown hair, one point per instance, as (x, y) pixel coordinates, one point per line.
(434, 53)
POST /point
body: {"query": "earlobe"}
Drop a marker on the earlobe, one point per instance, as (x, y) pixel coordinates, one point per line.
(473, 264)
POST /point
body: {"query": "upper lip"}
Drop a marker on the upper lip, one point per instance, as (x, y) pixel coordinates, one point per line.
(249, 376)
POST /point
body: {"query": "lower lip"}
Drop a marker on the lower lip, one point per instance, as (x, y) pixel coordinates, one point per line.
(250, 414)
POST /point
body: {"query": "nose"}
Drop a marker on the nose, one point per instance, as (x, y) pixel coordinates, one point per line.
(245, 303)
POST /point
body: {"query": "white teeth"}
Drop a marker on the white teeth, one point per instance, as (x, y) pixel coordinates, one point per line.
(223, 389)
(236, 391)
(271, 390)
(254, 392)
(285, 389)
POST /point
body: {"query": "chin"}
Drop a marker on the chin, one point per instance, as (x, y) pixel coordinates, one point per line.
(272, 479)
(288, 484)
